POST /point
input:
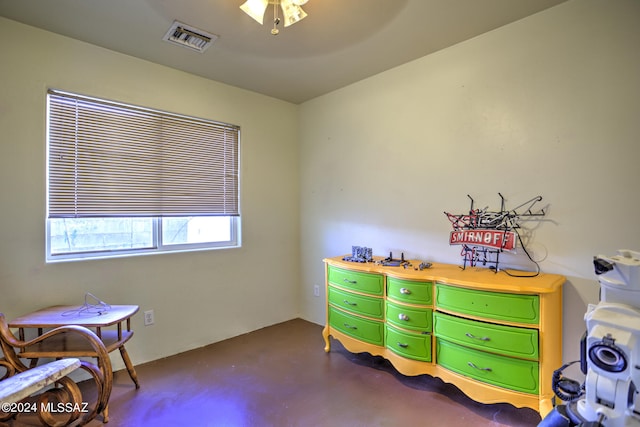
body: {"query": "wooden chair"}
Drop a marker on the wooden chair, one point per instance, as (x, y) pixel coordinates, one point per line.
(65, 390)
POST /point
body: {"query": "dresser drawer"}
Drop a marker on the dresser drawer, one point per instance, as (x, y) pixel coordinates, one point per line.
(506, 340)
(358, 281)
(420, 319)
(357, 327)
(360, 304)
(519, 308)
(412, 346)
(410, 291)
(514, 374)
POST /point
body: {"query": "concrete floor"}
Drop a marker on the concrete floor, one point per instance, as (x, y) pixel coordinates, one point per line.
(281, 376)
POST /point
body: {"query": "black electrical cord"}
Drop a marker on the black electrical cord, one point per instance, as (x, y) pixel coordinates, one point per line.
(566, 389)
(524, 248)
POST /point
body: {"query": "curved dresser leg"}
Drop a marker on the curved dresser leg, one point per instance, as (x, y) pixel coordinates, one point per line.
(325, 335)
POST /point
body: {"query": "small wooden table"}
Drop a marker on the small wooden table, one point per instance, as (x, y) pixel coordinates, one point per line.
(71, 345)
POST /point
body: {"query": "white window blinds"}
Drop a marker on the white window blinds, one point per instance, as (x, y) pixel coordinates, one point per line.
(113, 160)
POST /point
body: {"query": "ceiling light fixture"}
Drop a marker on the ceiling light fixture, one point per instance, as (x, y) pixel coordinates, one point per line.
(292, 12)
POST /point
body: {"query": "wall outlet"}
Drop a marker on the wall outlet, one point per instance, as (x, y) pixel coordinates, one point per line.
(148, 318)
(316, 290)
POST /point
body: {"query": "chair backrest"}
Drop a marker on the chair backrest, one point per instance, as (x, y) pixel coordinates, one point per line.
(8, 344)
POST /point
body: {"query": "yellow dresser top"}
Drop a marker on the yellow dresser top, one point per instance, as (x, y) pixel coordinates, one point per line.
(471, 277)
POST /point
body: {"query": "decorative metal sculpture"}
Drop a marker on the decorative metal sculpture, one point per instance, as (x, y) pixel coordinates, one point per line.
(485, 234)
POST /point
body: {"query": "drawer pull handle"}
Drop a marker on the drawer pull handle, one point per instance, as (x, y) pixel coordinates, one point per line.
(346, 325)
(403, 316)
(478, 368)
(403, 345)
(350, 303)
(478, 338)
(350, 281)
(405, 291)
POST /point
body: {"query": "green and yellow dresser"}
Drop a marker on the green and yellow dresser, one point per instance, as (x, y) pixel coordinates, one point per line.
(498, 338)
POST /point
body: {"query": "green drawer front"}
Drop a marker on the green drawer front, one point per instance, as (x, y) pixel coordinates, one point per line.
(412, 346)
(513, 374)
(362, 282)
(368, 306)
(363, 329)
(506, 340)
(493, 305)
(409, 291)
(420, 319)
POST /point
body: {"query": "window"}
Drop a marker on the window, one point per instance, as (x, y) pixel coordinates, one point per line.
(125, 180)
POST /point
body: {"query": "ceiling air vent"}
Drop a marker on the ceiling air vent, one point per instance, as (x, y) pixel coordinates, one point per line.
(190, 37)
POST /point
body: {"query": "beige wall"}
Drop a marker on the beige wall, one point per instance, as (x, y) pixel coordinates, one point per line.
(549, 106)
(546, 106)
(198, 297)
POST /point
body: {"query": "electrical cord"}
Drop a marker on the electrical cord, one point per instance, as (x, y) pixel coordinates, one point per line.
(565, 388)
(98, 307)
(524, 248)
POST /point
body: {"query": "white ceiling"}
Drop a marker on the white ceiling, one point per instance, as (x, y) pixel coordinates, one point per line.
(339, 43)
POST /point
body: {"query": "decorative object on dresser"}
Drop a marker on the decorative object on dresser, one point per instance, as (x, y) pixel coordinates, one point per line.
(485, 234)
(498, 338)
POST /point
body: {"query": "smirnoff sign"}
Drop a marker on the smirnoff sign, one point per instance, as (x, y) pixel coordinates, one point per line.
(496, 239)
